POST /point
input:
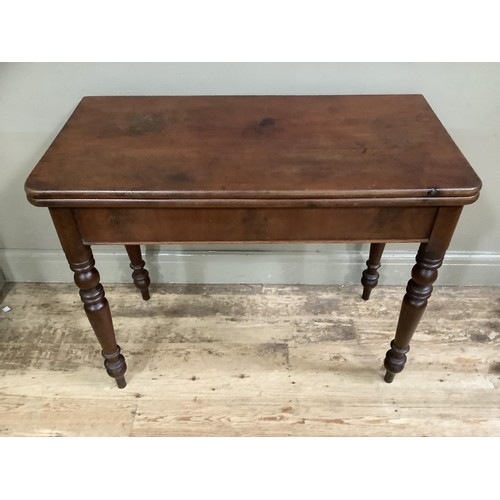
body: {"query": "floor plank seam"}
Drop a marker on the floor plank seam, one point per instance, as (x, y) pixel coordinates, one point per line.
(243, 376)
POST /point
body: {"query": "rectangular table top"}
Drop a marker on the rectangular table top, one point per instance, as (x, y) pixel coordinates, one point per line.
(368, 149)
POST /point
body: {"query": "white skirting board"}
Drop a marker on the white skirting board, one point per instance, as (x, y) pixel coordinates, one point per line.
(243, 266)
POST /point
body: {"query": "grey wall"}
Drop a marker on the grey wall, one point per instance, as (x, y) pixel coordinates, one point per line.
(36, 100)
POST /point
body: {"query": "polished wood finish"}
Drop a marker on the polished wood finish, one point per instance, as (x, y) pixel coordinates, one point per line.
(429, 259)
(139, 274)
(188, 225)
(81, 262)
(138, 170)
(244, 148)
(370, 274)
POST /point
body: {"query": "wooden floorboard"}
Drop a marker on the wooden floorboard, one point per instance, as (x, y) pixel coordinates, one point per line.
(249, 360)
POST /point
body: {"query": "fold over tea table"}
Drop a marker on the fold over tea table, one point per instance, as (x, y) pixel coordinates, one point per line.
(271, 169)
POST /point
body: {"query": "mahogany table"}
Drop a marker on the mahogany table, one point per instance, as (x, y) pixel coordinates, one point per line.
(159, 170)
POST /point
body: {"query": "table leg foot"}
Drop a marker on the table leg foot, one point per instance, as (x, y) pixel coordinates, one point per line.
(115, 366)
(121, 382)
(395, 360)
(370, 276)
(139, 274)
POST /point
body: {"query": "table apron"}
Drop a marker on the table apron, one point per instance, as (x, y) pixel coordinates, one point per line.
(252, 225)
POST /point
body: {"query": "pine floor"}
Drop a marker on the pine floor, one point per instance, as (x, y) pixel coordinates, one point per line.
(249, 360)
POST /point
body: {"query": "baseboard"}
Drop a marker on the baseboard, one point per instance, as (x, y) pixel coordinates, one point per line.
(273, 267)
(2, 278)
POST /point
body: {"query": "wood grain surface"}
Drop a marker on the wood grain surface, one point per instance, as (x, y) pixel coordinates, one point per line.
(129, 148)
(236, 360)
(189, 225)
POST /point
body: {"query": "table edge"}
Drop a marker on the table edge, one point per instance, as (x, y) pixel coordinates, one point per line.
(425, 201)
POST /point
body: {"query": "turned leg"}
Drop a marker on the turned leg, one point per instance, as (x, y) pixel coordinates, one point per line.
(139, 274)
(419, 289)
(96, 306)
(370, 274)
(429, 259)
